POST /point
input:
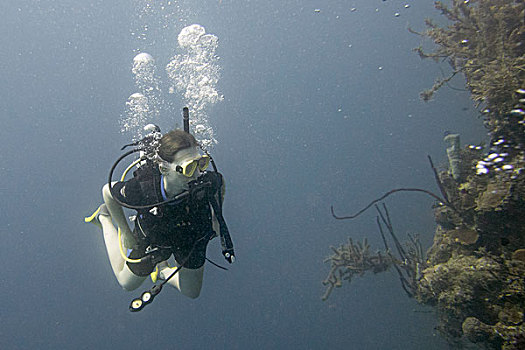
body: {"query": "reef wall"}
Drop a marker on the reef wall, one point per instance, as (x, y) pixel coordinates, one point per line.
(474, 272)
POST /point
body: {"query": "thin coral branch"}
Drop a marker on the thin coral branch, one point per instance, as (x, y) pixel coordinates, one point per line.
(438, 181)
(383, 197)
(407, 285)
(443, 200)
(385, 217)
(382, 233)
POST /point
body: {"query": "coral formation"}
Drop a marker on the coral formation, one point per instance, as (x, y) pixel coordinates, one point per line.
(486, 42)
(464, 236)
(474, 272)
(475, 269)
(353, 259)
(519, 254)
(453, 154)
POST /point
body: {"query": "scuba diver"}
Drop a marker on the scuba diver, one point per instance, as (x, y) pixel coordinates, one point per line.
(178, 204)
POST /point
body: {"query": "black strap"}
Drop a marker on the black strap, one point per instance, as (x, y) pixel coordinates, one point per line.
(215, 201)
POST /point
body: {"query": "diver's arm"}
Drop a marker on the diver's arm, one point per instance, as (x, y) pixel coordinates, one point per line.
(116, 211)
(215, 223)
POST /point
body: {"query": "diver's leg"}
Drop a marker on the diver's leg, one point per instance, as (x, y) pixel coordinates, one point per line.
(127, 279)
(117, 215)
(187, 281)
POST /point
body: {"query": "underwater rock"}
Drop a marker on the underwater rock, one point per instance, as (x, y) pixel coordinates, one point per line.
(466, 199)
(464, 236)
(464, 281)
(489, 336)
(493, 197)
(477, 331)
(443, 216)
(441, 250)
(511, 315)
(519, 254)
(478, 294)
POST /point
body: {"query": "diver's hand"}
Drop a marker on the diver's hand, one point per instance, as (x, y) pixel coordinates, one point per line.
(229, 255)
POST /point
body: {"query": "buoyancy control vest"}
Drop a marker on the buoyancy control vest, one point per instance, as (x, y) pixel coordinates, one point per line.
(167, 225)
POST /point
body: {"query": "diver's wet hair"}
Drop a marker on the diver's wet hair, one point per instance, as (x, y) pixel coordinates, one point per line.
(174, 141)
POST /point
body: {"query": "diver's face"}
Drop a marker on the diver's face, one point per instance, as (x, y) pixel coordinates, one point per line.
(182, 157)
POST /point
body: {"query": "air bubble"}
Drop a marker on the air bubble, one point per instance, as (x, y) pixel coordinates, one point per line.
(195, 75)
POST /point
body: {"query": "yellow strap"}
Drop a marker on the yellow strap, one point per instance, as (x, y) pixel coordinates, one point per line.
(154, 275)
(94, 215)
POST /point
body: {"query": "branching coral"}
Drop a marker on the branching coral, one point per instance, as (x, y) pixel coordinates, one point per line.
(486, 42)
(353, 259)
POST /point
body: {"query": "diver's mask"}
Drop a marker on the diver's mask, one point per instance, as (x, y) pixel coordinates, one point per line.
(188, 167)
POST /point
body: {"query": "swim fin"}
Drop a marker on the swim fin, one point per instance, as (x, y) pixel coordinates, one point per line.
(93, 218)
(154, 275)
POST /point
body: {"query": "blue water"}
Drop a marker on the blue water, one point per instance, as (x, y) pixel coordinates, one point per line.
(319, 108)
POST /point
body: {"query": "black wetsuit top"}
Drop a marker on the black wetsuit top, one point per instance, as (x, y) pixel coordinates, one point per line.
(182, 228)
